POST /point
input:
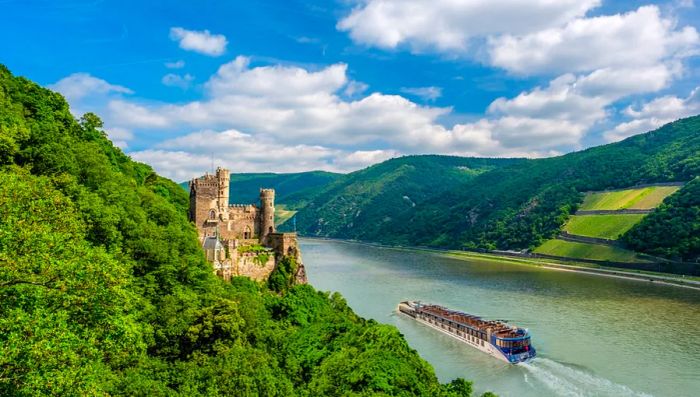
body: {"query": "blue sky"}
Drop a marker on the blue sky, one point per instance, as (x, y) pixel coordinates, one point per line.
(338, 85)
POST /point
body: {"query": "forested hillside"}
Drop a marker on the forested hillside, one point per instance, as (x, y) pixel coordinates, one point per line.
(513, 206)
(245, 188)
(104, 289)
(372, 204)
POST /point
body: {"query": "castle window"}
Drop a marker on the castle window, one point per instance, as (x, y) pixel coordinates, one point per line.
(212, 214)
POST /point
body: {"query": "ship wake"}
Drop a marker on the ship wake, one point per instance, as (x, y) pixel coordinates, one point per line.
(564, 380)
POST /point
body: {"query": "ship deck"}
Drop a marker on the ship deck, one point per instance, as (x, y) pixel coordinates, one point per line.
(499, 329)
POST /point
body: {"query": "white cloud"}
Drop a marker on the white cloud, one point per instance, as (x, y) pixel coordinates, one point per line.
(639, 38)
(131, 114)
(654, 114)
(202, 41)
(286, 118)
(175, 65)
(80, 85)
(286, 81)
(176, 80)
(425, 93)
(186, 156)
(354, 88)
(289, 118)
(448, 25)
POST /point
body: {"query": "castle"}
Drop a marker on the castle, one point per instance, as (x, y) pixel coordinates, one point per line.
(239, 239)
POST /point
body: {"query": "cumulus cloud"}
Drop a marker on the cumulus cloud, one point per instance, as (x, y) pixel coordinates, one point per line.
(639, 38)
(80, 85)
(202, 41)
(185, 157)
(594, 61)
(176, 80)
(448, 25)
(425, 93)
(289, 118)
(654, 114)
(289, 105)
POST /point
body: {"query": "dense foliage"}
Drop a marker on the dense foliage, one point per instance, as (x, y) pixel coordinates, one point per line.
(104, 289)
(497, 204)
(673, 230)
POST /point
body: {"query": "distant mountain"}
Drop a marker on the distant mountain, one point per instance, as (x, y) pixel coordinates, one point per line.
(245, 188)
(499, 203)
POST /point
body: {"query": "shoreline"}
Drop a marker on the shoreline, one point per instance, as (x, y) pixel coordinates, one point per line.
(649, 277)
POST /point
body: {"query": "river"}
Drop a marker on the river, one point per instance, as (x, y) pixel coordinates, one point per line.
(595, 336)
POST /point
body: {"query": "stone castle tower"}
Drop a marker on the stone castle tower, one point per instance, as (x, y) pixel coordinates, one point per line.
(226, 229)
(267, 216)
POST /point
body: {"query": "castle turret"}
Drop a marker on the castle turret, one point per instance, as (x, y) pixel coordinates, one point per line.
(267, 214)
(223, 177)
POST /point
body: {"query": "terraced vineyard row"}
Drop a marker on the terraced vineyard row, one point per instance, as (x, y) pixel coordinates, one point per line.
(606, 226)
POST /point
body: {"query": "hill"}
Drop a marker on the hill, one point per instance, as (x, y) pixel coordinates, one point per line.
(502, 204)
(245, 187)
(104, 289)
(366, 204)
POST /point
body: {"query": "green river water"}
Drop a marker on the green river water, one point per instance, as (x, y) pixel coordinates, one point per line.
(595, 336)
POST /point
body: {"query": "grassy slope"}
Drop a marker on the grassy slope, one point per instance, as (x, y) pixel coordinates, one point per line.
(587, 251)
(643, 198)
(602, 226)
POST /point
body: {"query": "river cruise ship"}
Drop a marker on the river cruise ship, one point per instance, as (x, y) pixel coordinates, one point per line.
(503, 341)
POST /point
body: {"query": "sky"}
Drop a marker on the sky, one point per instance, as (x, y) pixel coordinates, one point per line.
(291, 85)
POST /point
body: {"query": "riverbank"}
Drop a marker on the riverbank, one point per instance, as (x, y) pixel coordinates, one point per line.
(637, 275)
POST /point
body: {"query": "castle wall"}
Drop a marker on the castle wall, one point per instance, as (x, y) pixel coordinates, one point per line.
(286, 244)
(243, 223)
(249, 265)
